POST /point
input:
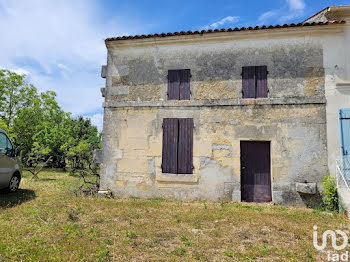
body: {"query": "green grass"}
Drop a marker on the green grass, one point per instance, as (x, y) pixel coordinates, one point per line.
(44, 221)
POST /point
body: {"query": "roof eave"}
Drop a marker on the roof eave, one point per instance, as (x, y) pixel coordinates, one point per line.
(228, 33)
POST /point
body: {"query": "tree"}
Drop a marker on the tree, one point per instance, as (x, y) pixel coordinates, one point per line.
(52, 130)
(15, 94)
(83, 137)
(40, 128)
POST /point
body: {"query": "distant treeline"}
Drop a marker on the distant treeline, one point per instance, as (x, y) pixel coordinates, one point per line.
(40, 128)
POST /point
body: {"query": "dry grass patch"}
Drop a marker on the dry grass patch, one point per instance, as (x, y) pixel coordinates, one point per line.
(44, 222)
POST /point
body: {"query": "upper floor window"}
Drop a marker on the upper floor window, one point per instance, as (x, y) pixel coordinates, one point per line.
(179, 84)
(254, 81)
(177, 153)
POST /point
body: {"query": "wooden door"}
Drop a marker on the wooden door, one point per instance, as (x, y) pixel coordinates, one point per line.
(255, 171)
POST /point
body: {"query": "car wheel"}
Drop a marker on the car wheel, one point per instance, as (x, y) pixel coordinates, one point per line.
(14, 183)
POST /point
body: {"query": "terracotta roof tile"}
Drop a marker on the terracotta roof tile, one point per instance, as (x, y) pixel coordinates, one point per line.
(222, 30)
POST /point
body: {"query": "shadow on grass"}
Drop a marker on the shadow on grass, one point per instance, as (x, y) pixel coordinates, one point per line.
(8, 200)
(47, 179)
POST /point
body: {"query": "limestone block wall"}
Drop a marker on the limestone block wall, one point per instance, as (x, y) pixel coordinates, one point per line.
(133, 150)
(292, 118)
(139, 74)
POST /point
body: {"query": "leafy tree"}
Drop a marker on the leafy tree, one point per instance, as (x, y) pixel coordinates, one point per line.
(26, 125)
(82, 138)
(15, 94)
(52, 130)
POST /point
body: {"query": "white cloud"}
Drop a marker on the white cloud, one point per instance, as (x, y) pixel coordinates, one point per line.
(19, 71)
(296, 4)
(59, 45)
(286, 18)
(225, 20)
(63, 67)
(97, 120)
(293, 9)
(263, 18)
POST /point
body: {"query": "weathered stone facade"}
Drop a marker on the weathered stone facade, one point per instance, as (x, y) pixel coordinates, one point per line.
(292, 118)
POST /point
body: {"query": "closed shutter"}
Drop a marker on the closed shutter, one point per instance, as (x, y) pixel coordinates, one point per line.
(261, 81)
(344, 130)
(185, 149)
(248, 81)
(185, 84)
(173, 85)
(170, 145)
(344, 126)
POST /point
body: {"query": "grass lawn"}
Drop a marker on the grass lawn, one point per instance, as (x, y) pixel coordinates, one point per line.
(43, 221)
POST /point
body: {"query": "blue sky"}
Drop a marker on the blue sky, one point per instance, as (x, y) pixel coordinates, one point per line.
(59, 44)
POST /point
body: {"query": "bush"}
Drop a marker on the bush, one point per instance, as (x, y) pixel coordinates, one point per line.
(330, 195)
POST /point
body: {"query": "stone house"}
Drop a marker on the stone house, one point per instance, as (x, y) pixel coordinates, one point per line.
(233, 114)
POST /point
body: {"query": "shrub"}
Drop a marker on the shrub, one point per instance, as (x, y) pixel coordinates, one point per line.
(330, 195)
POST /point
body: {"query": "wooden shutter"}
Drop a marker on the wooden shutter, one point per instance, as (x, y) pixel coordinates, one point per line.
(248, 81)
(344, 128)
(185, 149)
(185, 91)
(170, 144)
(344, 131)
(173, 85)
(261, 81)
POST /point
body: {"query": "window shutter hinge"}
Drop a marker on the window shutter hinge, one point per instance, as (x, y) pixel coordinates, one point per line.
(167, 76)
(190, 75)
(192, 167)
(241, 73)
(267, 72)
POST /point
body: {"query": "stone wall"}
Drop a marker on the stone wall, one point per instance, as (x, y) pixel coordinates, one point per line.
(292, 118)
(336, 57)
(141, 75)
(132, 155)
(344, 200)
